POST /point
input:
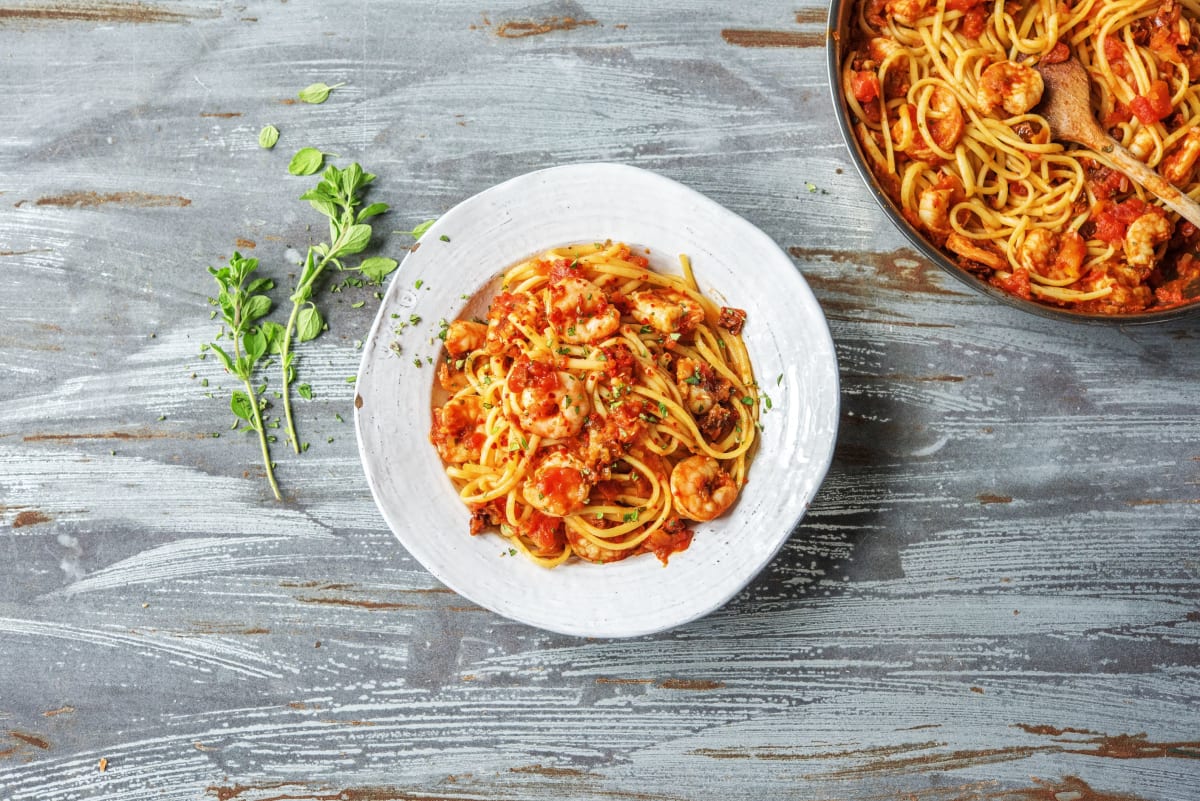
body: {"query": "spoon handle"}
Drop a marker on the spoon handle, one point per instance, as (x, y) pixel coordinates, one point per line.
(1169, 194)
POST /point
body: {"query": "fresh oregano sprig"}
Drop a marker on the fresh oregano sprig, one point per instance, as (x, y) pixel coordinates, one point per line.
(242, 303)
(338, 197)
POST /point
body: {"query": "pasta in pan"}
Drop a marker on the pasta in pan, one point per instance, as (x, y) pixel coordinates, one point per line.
(943, 98)
(598, 409)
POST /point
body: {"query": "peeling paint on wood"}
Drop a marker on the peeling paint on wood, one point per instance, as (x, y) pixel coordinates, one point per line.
(118, 13)
(519, 29)
(140, 200)
(768, 38)
(30, 739)
(30, 517)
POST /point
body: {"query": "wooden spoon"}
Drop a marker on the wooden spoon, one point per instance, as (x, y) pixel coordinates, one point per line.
(1065, 106)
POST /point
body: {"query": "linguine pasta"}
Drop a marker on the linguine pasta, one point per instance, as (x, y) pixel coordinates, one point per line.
(598, 409)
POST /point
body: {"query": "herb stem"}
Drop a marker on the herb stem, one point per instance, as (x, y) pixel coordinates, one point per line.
(307, 279)
(262, 440)
(258, 423)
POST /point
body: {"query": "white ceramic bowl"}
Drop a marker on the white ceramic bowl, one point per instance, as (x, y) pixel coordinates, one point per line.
(734, 262)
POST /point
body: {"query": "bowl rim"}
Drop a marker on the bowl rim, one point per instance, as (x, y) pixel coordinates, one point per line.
(839, 14)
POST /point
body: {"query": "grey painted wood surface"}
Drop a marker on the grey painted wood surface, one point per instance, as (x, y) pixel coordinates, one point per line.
(996, 594)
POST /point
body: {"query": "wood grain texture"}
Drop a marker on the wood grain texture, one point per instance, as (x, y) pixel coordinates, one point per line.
(995, 596)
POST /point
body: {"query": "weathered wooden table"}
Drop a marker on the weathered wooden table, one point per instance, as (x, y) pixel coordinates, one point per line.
(996, 594)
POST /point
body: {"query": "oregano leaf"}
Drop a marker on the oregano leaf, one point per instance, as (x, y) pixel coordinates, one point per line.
(268, 136)
(223, 356)
(273, 332)
(317, 93)
(255, 345)
(240, 405)
(378, 267)
(420, 230)
(308, 324)
(306, 161)
(373, 210)
(355, 240)
(256, 306)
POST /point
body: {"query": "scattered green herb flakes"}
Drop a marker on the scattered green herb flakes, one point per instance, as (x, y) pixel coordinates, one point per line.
(444, 238)
(351, 379)
(305, 391)
(338, 417)
(747, 400)
(306, 161)
(358, 304)
(268, 136)
(317, 93)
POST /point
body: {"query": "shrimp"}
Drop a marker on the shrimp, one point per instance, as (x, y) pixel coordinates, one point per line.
(969, 250)
(1052, 256)
(508, 310)
(1143, 143)
(933, 210)
(550, 403)
(458, 429)
(934, 204)
(908, 11)
(580, 312)
(589, 551)
(1143, 236)
(666, 310)
(1178, 166)
(464, 336)
(609, 435)
(881, 48)
(701, 489)
(944, 120)
(545, 532)
(1015, 87)
(702, 388)
(451, 378)
(559, 486)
